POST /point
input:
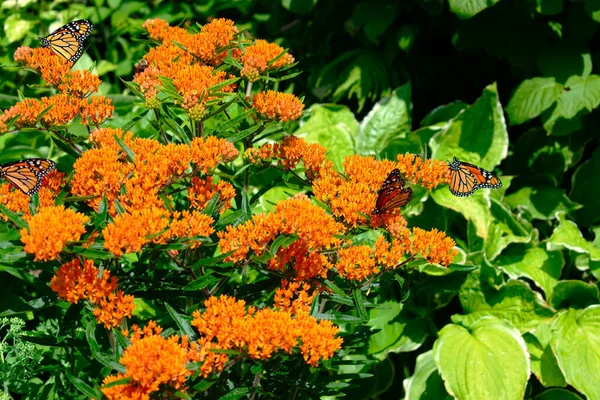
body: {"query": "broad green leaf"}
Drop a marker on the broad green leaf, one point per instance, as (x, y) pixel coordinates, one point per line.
(567, 235)
(574, 294)
(374, 17)
(586, 191)
(543, 202)
(592, 8)
(543, 361)
(397, 332)
(541, 266)
(505, 228)
(333, 127)
(468, 8)
(549, 7)
(532, 97)
(576, 343)
(477, 135)
(514, 302)
(15, 28)
(389, 116)
(299, 7)
(580, 94)
(425, 383)
(565, 60)
(475, 208)
(443, 114)
(487, 361)
(557, 394)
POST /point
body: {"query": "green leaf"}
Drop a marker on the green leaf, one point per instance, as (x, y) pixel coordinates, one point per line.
(586, 191)
(84, 388)
(235, 394)
(567, 235)
(468, 8)
(425, 383)
(477, 135)
(541, 266)
(102, 212)
(543, 202)
(488, 360)
(181, 322)
(574, 294)
(282, 241)
(333, 127)
(514, 302)
(549, 7)
(125, 148)
(532, 97)
(576, 343)
(96, 349)
(14, 217)
(543, 361)
(475, 208)
(299, 7)
(397, 332)
(15, 28)
(388, 117)
(581, 94)
(557, 394)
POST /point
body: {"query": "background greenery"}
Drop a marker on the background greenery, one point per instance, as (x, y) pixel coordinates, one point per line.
(510, 84)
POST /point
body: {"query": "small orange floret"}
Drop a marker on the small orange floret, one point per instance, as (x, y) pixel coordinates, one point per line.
(259, 57)
(434, 246)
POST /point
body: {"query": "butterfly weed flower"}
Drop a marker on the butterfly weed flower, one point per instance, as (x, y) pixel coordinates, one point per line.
(186, 224)
(290, 154)
(203, 190)
(13, 199)
(355, 193)
(152, 363)
(110, 310)
(262, 333)
(52, 185)
(259, 57)
(356, 262)
(295, 297)
(96, 111)
(429, 173)
(434, 246)
(79, 83)
(277, 106)
(207, 153)
(52, 68)
(74, 281)
(67, 225)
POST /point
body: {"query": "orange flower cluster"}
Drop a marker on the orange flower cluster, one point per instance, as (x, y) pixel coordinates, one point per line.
(203, 190)
(60, 109)
(360, 262)
(226, 324)
(430, 173)
(152, 363)
(191, 70)
(105, 170)
(50, 229)
(295, 297)
(277, 106)
(73, 282)
(355, 193)
(291, 152)
(17, 201)
(261, 56)
(314, 228)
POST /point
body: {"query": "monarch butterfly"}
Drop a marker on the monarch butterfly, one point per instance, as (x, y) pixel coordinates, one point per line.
(392, 194)
(27, 175)
(67, 41)
(141, 66)
(467, 178)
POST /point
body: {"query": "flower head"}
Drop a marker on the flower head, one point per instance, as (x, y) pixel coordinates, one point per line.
(50, 230)
(278, 106)
(261, 57)
(430, 173)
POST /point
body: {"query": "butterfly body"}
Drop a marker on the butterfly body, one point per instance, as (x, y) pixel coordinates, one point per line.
(67, 41)
(27, 175)
(393, 193)
(467, 178)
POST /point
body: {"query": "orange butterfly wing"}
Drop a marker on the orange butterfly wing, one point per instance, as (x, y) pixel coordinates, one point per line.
(392, 194)
(67, 41)
(27, 175)
(467, 178)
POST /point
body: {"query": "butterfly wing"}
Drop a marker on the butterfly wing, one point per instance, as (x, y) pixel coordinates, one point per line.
(392, 194)
(27, 175)
(67, 41)
(467, 178)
